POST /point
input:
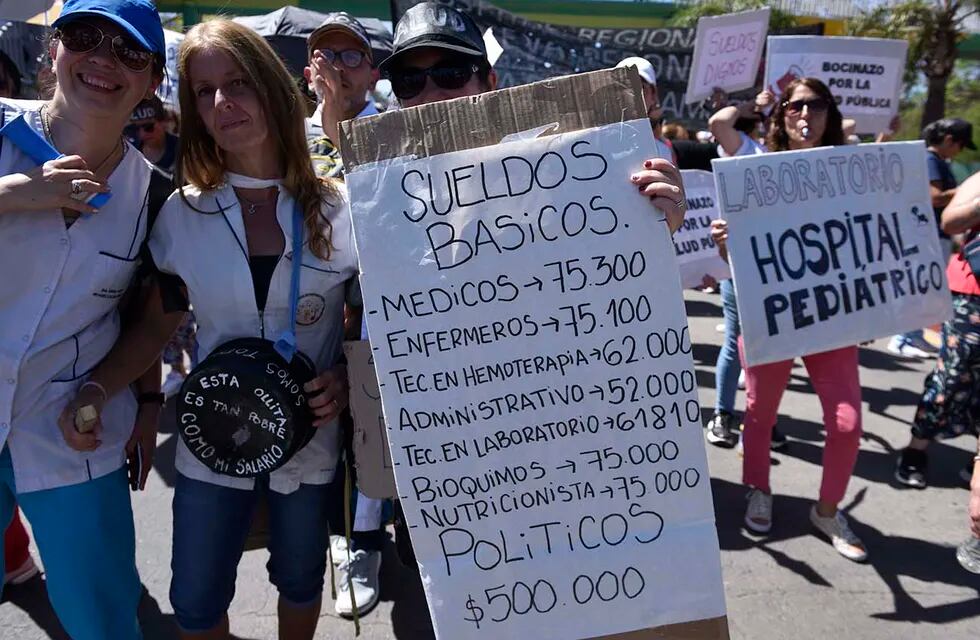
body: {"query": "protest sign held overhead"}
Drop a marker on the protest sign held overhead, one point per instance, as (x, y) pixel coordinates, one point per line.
(697, 255)
(831, 247)
(543, 420)
(864, 74)
(727, 52)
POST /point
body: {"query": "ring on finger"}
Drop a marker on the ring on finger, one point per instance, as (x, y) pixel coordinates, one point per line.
(76, 187)
(681, 203)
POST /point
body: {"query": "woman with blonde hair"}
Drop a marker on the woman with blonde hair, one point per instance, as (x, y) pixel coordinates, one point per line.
(231, 236)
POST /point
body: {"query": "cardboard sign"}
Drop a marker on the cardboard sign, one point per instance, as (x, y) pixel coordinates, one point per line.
(543, 419)
(697, 255)
(831, 247)
(727, 52)
(372, 458)
(864, 74)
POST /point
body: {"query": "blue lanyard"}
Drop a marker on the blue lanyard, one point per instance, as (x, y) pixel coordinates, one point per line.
(286, 343)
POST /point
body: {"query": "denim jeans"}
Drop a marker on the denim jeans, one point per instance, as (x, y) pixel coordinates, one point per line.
(211, 523)
(728, 366)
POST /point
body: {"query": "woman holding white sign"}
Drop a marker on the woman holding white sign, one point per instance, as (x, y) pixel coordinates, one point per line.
(806, 118)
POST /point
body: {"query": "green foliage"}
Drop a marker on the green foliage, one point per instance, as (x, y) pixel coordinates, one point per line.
(962, 101)
(689, 14)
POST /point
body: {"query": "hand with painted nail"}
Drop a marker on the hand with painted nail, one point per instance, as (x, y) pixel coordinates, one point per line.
(661, 182)
(328, 394)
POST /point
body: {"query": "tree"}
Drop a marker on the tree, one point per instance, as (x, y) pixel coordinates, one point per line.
(932, 28)
(689, 14)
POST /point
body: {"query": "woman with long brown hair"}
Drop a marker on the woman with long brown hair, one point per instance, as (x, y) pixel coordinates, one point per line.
(263, 247)
(805, 117)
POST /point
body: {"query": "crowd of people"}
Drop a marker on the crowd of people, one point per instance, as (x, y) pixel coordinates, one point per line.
(219, 218)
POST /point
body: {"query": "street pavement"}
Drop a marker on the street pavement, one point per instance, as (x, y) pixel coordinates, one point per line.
(790, 585)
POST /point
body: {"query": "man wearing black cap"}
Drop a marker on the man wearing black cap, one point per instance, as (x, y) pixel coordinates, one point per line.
(341, 73)
(439, 54)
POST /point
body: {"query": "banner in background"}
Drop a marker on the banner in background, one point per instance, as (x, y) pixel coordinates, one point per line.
(536, 50)
(831, 247)
(727, 52)
(864, 74)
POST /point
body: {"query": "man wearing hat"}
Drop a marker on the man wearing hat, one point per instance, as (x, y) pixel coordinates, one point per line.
(651, 98)
(341, 73)
(147, 130)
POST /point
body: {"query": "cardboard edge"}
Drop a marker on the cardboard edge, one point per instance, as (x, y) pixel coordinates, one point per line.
(433, 128)
(709, 629)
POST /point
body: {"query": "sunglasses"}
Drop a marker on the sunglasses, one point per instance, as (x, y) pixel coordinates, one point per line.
(815, 105)
(134, 129)
(352, 58)
(408, 82)
(81, 37)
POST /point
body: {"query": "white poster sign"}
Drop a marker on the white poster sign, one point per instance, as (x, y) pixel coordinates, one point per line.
(831, 247)
(536, 376)
(727, 52)
(697, 255)
(864, 74)
(372, 457)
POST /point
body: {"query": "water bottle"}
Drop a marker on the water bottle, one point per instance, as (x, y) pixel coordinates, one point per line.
(968, 554)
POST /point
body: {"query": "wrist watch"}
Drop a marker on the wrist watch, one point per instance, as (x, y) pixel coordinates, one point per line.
(151, 398)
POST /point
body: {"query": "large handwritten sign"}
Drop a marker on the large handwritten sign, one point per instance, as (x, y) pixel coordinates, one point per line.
(697, 254)
(864, 74)
(831, 247)
(727, 52)
(534, 364)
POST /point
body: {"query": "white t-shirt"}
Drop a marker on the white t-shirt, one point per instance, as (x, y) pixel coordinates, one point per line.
(208, 252)
(59, 292)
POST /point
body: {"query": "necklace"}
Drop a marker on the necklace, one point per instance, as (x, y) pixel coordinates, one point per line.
(46, 127)
(252, 206)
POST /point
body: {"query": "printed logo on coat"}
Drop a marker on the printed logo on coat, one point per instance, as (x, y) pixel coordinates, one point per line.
(309, 309)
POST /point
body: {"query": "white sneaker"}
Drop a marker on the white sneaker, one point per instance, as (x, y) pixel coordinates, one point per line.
(21, 574)
(720, 328)
(741, 379)
(172, 384)
(840, 535)
(758, 513)
(363, 567)
(338, 550)
(902, 346)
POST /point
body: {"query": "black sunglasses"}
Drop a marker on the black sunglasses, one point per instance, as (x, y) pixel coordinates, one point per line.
(81, 37)
(134, 129)
(408, 82)
(352, 58)
(814, 105)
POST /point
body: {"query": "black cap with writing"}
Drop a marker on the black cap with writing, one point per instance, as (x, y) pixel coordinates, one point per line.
(429, 24)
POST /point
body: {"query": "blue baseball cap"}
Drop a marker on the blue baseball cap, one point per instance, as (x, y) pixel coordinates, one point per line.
(139, 18)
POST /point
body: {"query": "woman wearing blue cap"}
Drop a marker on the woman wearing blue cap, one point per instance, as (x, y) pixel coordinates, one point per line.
(67, 264)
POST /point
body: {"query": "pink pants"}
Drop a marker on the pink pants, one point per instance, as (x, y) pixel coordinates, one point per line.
(834, 376)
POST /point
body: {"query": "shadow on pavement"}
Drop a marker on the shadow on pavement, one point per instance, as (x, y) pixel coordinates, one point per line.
(166, 453)
(700, 308)
(32, 598)
(891, 557)
(402, 586)
(806, 444)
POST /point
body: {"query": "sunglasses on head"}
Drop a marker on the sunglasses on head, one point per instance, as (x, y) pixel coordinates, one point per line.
(351, 58)
(814, 105)
(408, 82)
(81, 37)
